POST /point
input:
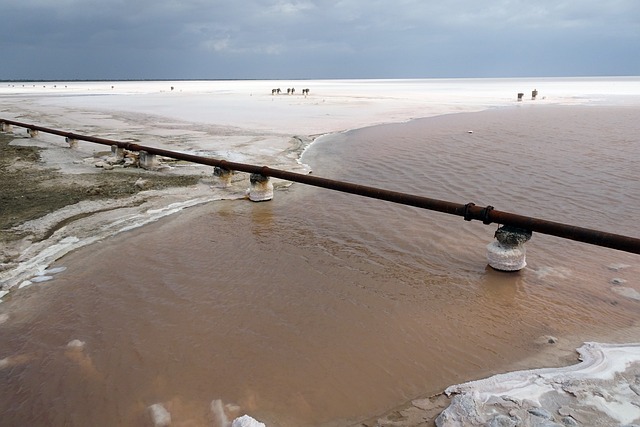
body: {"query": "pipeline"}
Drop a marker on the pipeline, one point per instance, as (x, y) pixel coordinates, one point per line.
(468, 211)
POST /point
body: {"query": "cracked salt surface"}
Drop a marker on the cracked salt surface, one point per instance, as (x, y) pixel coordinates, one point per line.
(598, 390)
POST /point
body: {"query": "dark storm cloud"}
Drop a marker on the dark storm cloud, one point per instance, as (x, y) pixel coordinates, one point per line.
(115, 39)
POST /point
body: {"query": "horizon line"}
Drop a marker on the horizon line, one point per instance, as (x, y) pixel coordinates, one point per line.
(307, 79)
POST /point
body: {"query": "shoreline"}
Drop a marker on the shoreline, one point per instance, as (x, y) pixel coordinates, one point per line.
(416, 412)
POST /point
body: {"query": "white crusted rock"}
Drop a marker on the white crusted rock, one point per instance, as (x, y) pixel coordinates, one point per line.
(159, 415)
(246, 421)
(76, 344)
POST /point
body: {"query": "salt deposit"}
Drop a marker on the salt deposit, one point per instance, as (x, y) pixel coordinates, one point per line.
(246, 421)
(601, 390)
(505, 258)
(54, 270)
(159, 415)
(219, 415)
(40, 279)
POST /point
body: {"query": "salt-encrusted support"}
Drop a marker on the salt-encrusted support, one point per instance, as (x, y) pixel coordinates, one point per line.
(520, 95)
(32, 132)
(224, 175)
(148, 161)
(534, 94)
(508, 253)
(117, 152)
(261, 188)
(73, 143)
(6, 127)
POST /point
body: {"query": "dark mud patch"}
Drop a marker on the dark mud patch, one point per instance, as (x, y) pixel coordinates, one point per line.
(30, 190)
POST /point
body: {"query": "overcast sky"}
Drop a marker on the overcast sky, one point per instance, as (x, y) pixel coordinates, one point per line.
(300, 39)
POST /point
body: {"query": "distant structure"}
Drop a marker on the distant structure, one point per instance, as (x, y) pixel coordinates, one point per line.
(290, 91)
(534, 95)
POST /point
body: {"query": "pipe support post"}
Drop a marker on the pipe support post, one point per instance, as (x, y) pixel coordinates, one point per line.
(508, 252)
(148, 161)
(117, 152)
(73, 143)
(223, 175)
(261, 188)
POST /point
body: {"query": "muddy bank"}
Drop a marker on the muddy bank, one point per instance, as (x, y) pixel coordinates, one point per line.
(30, 189)
(37, 198)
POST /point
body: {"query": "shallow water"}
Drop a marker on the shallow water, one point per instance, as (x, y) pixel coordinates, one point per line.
(320, 308)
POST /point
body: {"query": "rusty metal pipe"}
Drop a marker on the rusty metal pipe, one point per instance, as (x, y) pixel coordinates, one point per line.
(469, 211)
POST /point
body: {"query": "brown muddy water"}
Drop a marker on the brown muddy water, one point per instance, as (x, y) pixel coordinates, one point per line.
(320, 308)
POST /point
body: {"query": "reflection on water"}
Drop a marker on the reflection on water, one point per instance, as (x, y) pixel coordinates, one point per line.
(320, 308)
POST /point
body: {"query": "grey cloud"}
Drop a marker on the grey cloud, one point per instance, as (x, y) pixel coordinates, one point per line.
(318, 38)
